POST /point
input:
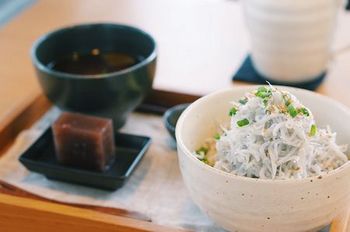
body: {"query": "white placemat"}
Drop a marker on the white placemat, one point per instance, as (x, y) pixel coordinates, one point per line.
(155, 188)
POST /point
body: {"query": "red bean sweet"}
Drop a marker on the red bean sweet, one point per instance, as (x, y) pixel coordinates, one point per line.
(84, 141)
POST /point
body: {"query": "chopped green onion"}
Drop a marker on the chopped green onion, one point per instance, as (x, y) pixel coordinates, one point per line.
(263, 92)
(292, 111)
(243, 101)
(203, 150)
(313, 130)
(217, 136)
(262, 89)
(233, 111)
(265, 101)
(243, 122)
(205, 160)
(304, 111)
(287, 100)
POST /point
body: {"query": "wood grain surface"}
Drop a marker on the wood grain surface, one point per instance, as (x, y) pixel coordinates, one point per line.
(33, 215)
(9, 189)
(22, 118)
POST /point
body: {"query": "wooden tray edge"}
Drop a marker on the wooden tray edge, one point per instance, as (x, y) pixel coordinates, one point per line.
(21, 214)
(22, 118)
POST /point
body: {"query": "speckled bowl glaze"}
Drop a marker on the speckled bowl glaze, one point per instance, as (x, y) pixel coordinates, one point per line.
(247, 204)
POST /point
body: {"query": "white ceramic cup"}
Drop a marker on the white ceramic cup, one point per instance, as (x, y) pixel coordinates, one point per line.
(291, 39)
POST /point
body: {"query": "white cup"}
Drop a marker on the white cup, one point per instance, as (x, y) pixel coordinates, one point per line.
(291, 39)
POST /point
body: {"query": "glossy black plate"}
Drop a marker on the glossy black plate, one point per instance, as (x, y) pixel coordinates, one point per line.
(41, 158)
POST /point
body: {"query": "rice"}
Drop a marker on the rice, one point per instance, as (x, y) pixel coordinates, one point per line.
(273, 136)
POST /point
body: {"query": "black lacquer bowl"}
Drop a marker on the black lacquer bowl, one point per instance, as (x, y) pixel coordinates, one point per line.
(111, 95)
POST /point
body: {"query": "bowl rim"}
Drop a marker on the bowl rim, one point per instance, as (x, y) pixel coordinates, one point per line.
(169, 112)
(188, 153)
(42, 67)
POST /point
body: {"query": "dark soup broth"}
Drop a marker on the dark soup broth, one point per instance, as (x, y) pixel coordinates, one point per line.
(94, 63)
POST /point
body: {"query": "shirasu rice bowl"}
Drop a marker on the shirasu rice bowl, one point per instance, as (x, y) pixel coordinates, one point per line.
(272, 135)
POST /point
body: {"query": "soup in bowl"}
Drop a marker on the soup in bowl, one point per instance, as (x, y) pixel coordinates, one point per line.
(101, 69)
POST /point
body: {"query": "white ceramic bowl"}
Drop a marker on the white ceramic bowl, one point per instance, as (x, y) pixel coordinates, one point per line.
(247, 204)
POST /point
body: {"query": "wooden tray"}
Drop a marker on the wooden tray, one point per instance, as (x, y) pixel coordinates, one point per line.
(36, 213)
(23, 214)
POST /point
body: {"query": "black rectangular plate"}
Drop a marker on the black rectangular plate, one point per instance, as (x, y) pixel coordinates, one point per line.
(40, 157)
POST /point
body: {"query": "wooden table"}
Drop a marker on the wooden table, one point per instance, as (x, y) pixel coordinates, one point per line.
(200, 42)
